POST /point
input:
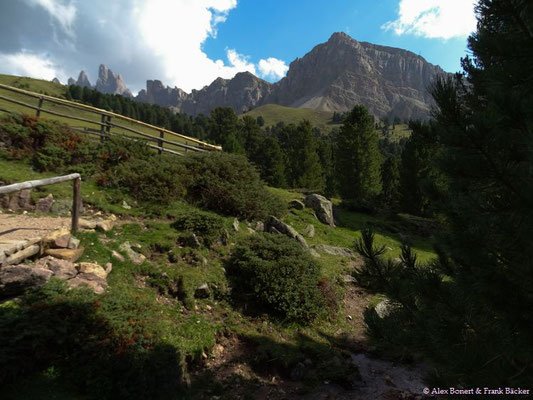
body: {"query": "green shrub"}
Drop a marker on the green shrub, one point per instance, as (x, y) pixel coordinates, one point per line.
(207, 226)
(229, 184)
(50, 144)
(277, 275)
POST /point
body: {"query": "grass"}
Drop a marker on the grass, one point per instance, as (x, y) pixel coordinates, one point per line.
(273, 113)
(57, 90)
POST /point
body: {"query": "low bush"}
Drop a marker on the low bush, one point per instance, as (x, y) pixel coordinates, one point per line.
(277, 275)
(208, 227)
(50, 144)
(230, 185)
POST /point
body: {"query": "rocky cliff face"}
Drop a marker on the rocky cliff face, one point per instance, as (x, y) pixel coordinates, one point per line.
(111, 83)
(157, 93)
(343, 72)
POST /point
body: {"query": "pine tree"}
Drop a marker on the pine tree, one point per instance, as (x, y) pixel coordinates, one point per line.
(390, 176)
(358, 158)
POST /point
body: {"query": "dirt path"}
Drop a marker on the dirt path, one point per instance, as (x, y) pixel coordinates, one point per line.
(20, 227)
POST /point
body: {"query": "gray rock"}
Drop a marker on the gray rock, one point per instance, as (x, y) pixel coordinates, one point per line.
(259, 226)
(349, 279)
(202, 291)
(73, 243)
(334, 251)
(309, 231)
(44, 205)
(83, 80)
(125, 205)
(322, 207)
(235, 225)
(137, 258)
(19, 200)
(15, 279)
(275, 225)
(117, 256)
(96, 284)
(62, 269)
(111, 83)
(383, 308)
(296, 204)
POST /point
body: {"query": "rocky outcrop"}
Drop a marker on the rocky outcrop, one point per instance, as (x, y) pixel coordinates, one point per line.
(111, 83)
(274, 225)
(322, 208)
(15, 279)
(157, 93)
(334, 251)
(83, 80)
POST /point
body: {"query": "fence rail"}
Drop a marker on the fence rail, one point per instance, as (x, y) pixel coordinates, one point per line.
(76, 197)
(108, 121)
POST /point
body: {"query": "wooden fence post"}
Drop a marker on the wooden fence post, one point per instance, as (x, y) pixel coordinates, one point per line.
(102, 128)
(76, 204)
(160, 142)
(38, 113)
(108, 127)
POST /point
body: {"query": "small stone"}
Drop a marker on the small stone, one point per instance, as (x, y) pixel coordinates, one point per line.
(62, 269)
(86, 224)
(71, 255)
(259, 226)
(202, 291)
(204, 356)
(98, 286)
(108, 268)
(58, 239)
(348, 279)
(104, 226)
(73, 243)
(117, 256)
(349, 317)
(92, 268)
(236, 225)
(250, 231)
(137, 258)
(125, 205)
(208, 307)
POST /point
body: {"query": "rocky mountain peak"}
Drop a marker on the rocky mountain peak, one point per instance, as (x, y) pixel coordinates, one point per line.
(111, 83)
(83, 80)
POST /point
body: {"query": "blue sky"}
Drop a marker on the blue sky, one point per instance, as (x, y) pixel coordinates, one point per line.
(189, 43)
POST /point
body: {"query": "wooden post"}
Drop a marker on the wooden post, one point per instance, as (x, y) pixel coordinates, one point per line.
(76, 204)
(38, 113)
(102, 128)
(160, 142)
(186, 147)
(108, 127)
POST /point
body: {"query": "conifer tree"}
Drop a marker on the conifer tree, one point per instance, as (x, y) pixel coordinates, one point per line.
(358, 158)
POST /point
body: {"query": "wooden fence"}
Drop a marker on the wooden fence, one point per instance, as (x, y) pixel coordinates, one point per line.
(76, 195)
(109, 120)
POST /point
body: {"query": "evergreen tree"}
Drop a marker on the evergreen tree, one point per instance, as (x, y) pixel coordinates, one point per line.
(358, 157)
(418, 170)
(390, 177)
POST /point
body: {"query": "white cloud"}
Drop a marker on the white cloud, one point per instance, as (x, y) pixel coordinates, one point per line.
(63, 13)
(443, 19)
(175, 31)
(273, 68)
(30, 64)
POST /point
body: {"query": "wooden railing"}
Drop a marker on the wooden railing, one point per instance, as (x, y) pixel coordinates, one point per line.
(108, 120)
(76, 195)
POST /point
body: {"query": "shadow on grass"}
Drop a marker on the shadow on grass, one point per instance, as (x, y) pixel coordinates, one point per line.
(57, 344)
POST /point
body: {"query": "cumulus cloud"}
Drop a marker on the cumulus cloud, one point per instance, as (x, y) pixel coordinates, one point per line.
(175, 30)
(273, 68)
(62, 12)
(33, 65)
(444, 19)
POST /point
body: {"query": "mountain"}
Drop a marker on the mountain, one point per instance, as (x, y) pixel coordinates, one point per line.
(336, 75)
(111, 83)
(108, 82)
(333, 76)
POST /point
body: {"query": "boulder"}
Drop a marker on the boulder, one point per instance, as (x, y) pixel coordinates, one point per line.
(44, 205)
(334, 251)
(296, 204)
(92, 268)
(383, 308)
(71, 255)
(62, 269)
(104, 225)
(202, 291)
(16, 279)
(309, 231)
(322, 207)
(275, 225)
